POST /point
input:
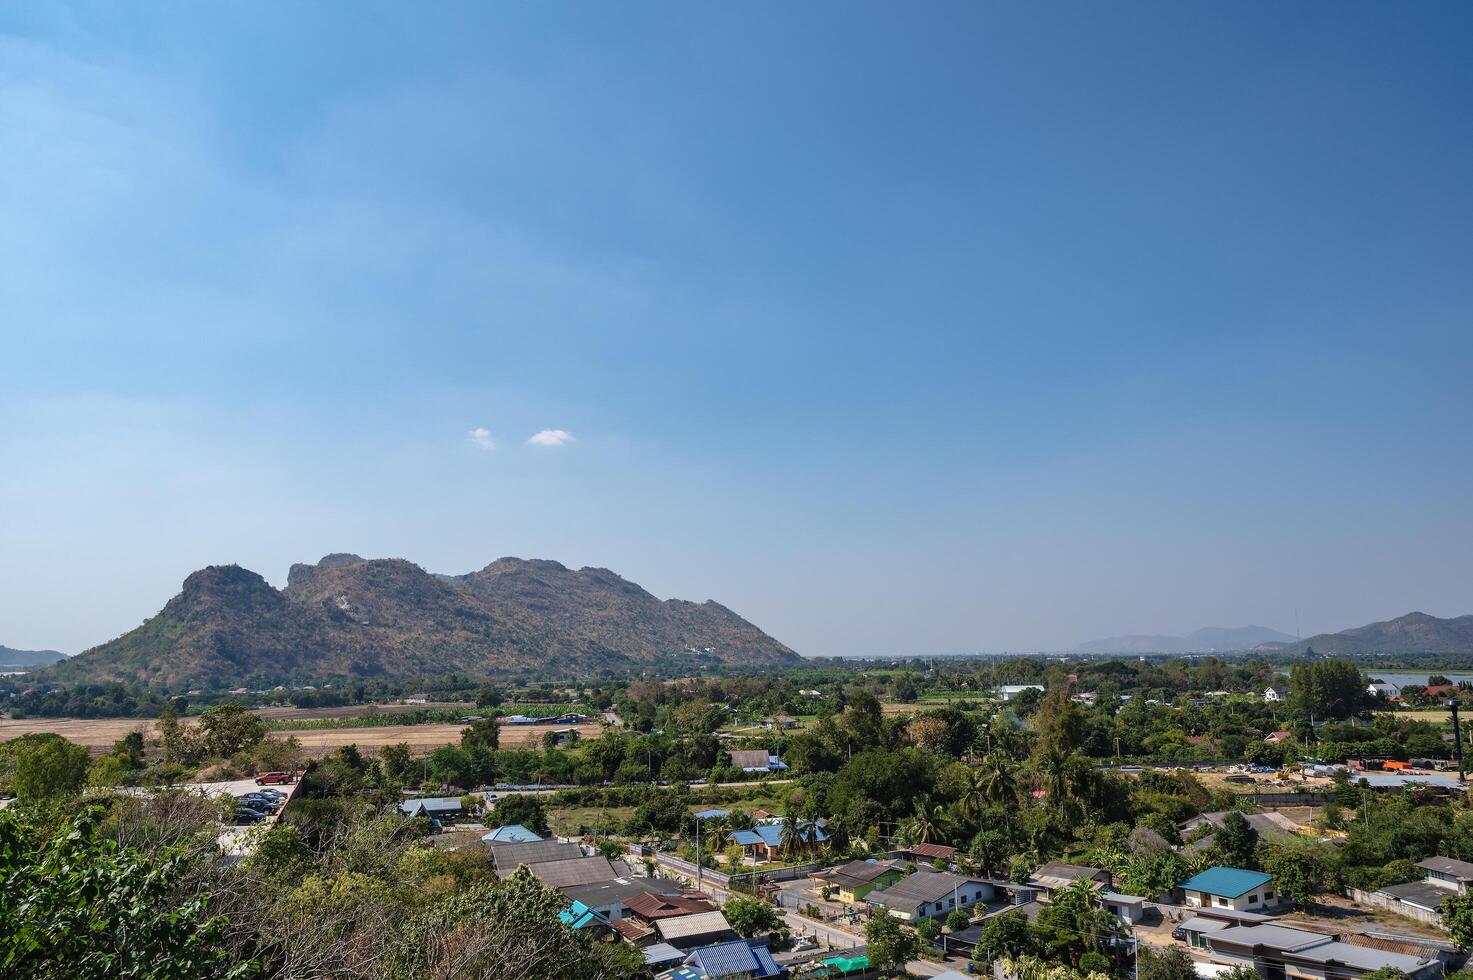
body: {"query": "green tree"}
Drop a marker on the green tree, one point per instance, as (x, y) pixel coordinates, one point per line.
(398, 764)
(1327, 689)
(888, 945)
(483, 734)
(750, 916)
(957, 920)
(229, 728)
(928, 929)
(524, 809)
(74, 904)
(1235, 840)
(49, 767)
(1164, 964)
(1006, 935)
(1457, 918)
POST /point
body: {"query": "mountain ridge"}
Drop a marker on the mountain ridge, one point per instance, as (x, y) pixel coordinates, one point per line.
(1209, 639)
(347, 616)
(11, 658)
(1414, 632)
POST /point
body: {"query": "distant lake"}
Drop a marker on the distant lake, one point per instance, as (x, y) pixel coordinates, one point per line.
(1419, 680)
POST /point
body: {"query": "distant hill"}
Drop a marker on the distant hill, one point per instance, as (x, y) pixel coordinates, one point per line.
(1207, 640)
(13, 659)
(347, 616)
(1416, 632)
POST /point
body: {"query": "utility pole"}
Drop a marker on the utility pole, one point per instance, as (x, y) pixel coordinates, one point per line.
(1453, 706)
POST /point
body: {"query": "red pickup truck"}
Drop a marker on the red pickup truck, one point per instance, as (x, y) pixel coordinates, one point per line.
(267, 778)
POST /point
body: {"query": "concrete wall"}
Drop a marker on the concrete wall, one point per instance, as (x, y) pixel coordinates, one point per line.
(1393, 905)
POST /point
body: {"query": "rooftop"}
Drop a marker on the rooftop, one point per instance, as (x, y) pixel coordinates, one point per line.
(576, 871)
(1226, 882)
(697, 924)
(1448, 866)
(921, 887)
(726, 959)
(512, 833)
(509, 856)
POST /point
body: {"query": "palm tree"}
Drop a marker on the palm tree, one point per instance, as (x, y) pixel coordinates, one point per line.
(792, 835)
(974, 796)
(925, 825)
(999, 777)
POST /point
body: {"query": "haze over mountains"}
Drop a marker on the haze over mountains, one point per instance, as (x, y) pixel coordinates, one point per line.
(349, 616)
(1207, 640)
(13, 659)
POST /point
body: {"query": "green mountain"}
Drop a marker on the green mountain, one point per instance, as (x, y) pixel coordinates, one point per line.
(350, 617)
(1416, 632)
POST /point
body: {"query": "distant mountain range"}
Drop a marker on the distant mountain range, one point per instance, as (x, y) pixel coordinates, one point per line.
(1211, 639)
(13, 659)
(347, 616)
(1416, 632)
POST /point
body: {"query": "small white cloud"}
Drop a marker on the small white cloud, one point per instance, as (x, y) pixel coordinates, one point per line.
(481, 439)
(551, 437)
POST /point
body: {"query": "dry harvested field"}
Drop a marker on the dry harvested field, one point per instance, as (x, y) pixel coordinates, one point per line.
(98, 734)
(422, 738)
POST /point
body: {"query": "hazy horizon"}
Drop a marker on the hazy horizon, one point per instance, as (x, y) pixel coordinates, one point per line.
(897, 331)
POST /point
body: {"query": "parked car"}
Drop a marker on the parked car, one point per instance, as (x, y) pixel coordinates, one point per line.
(1179, 934)
(266, 803)
(245, 815)
(273, 793)
(282, 778)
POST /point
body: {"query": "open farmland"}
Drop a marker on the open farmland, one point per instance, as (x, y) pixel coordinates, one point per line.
(98, 734)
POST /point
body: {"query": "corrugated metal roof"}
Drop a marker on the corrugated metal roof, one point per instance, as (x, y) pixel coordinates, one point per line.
(699, 924)
(1226, 882)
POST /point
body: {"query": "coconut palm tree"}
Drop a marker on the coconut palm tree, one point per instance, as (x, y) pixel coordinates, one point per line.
(792, 834)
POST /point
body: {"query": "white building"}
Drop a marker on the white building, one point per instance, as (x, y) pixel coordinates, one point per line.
(1230, 888)
(1275, 694)
(1009, 691)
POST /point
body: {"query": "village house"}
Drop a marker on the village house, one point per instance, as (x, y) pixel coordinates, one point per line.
(512, 833)
(930, 894)
(735, 960)
(1009, 691)
(1275, 694)
(1280, 951)
(765, 841)
(698, 929)
(1230, 888)
(442, 808)
(853, 881)
(1051, 877)
(926, 853)
(1423, 899)
(756, 760)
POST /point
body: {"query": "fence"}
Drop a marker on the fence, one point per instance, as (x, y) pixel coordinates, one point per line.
(1288, 799)
(746, 880)
(1390, 904)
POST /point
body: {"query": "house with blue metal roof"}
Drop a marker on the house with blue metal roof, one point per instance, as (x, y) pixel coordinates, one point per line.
(1230, 888)
(765, 841)
(512, 833)
(735, 960)
(580, 916)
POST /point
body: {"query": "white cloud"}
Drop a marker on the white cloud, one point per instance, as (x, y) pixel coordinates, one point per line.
(481, 438)
(551, 437)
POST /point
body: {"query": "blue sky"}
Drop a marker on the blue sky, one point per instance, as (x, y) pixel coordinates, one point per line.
(899, 330)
